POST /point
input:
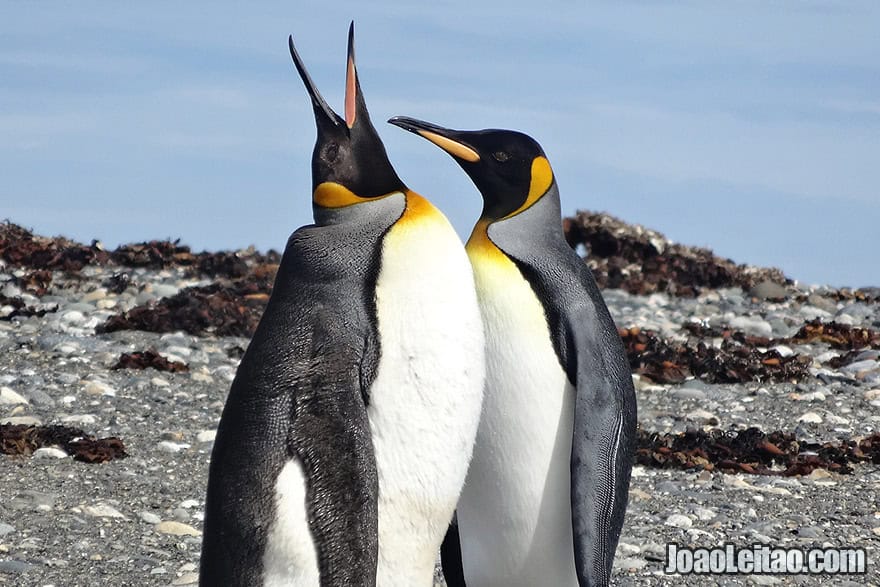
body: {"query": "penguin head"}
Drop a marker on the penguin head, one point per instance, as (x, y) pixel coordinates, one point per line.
(349, 162)
(508, 167)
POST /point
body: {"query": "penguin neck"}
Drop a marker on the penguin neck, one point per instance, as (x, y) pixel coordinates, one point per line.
(544, 214)
(364, 211)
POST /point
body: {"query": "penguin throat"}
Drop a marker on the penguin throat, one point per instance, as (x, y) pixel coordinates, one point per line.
(333, 195)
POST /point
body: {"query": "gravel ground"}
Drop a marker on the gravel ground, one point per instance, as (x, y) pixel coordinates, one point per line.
(137, 521)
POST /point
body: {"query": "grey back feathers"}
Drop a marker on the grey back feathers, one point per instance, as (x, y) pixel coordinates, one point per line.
(592, 355)
(300, 392)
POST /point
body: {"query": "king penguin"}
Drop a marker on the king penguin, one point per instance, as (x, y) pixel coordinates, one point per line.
(346, 435)
(546, 493)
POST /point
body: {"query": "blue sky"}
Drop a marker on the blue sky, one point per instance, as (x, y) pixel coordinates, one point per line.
(752, 128)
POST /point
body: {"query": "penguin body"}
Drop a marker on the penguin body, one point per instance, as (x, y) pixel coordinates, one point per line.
(347, 432)
(546, 492)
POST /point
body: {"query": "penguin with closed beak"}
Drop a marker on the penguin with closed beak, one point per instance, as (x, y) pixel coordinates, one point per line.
(547, 489)
(346, 435)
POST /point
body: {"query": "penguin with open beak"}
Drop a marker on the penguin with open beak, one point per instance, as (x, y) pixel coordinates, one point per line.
(547, 489)
(346, 436)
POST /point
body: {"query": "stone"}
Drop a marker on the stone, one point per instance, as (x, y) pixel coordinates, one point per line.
(172, 447)
(679, 521)
(176, 529)
(102, 510)
(49, 452)
(9, 397)
(15, 567)
(206, 436)
(810, 418)
(752, 325)
(149, 518)
(99, 388)
(768, 290)
(5, 529)
(79, 419)
(689, 393)
(24, 420)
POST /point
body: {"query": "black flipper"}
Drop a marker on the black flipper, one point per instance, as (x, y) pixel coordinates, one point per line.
(450, 557)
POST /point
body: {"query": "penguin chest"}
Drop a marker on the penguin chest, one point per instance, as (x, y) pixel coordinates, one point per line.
(515, 510)
(425, 401)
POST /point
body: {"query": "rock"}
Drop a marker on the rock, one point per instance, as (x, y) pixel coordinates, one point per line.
(176, 529)
(24, 420)
(630, 563)
(811, 418)
(753, 325)
(689, 393)
(103, 510)
(5, 529)
(94, 295)
(813, 396)
(679, 521)
(9, 397)
(149, 518)
(768, 290)
(186, 579)
(50, 452)
(172, 447)
(79, 419)
(700, 415)
(99, 388)
(15, 567)
(206, 436)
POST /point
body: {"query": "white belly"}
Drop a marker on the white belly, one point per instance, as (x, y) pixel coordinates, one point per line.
(291, 559)
(515, 510)
(425, 401)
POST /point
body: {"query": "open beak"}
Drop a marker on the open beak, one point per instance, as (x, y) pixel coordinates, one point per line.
(451, 141)
(323, 112)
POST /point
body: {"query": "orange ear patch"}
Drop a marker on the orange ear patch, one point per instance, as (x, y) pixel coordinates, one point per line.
(542, 179)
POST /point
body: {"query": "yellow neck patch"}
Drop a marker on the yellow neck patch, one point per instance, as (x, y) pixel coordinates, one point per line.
(542, 178)
(333, 195)
(480, 247)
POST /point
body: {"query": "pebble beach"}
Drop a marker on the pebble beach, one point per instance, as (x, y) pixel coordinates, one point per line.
(137, 519)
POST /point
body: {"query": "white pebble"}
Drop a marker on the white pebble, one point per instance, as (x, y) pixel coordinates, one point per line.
(50, 452)
(21, 420)
(206, 436)
(188, 504)
(102, 510)
(679, 521)
(99, 388)
(168, 446)
(811, 418)
(10, 397)
(82, 419)
(176, 529)
(149, 518)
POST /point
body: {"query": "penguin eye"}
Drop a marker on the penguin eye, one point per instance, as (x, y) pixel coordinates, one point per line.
(501, 156)
(331, 152)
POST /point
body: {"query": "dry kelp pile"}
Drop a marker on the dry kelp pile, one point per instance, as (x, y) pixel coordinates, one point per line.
(642, 261)
(752, 451)
(21, 248)
(149, 358)
(741, 357)
(19, 439)
(665, 361)
(222, 309)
